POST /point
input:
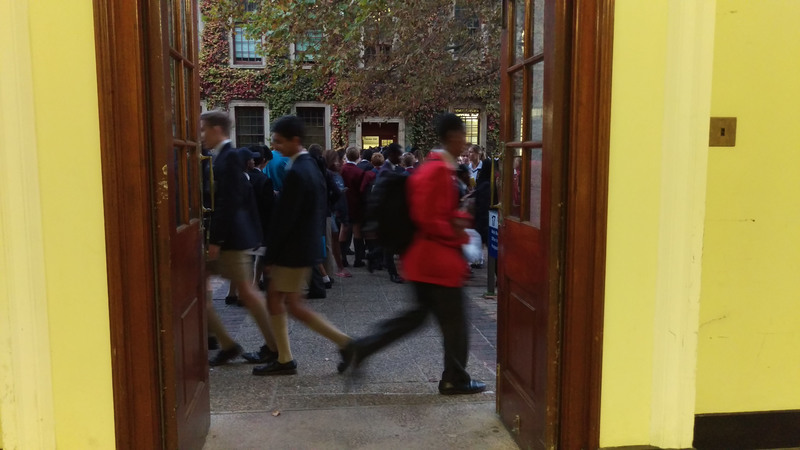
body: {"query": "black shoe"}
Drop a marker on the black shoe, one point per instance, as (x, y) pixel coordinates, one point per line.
(371, 265)
(349, 252)
(276, 368)
(359, 264)
(472, 387)
(329, 284)
(232, 300)
(213, 344)
(316, 295)
(262, 356)
(224, 356)
(349, 357)
(261, 285)
(396, 279)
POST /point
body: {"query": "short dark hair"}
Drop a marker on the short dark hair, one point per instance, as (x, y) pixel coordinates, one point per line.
(367, 154)
(393, 149)
(289, 127)
(315, 150)
(447, 123)
(217, 118)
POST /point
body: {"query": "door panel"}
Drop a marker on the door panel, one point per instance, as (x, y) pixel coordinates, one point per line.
(531, 230)
(185, 354)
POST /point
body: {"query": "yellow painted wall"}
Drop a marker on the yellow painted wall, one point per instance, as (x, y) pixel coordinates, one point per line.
(749, 348)
(62, 59)
(637, 115)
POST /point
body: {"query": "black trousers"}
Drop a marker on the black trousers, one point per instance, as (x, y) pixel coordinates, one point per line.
(447, 305)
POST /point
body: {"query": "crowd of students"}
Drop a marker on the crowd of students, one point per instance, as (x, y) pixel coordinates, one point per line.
(300, 213)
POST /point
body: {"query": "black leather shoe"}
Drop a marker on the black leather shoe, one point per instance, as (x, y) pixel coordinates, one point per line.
(276, 368)
(225, 355)
(213, 344)
(396, 279)
(349, 357)
(329, 284)
(359, 264)
(316, 295)
(263, 356)
(473, 387)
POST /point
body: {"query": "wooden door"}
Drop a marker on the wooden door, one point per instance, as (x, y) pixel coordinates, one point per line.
(185, 360)
(532, 96)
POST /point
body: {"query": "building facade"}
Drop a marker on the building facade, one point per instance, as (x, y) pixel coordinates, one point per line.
(235, 77)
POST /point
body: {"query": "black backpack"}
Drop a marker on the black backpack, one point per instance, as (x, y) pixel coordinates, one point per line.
(387, 216)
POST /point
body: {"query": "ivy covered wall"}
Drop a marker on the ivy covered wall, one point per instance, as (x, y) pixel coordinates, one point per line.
(280, 89)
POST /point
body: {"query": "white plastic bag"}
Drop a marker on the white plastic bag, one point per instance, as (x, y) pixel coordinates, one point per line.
(473, 250)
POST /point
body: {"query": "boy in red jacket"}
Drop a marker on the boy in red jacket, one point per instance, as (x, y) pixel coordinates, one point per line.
(434, 264)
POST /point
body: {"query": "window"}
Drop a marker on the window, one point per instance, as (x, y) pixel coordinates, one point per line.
(307, 50)
(244, 49)
(377, 42)
(472, 122)
(468, 18)
(314, 119)
(249, 124)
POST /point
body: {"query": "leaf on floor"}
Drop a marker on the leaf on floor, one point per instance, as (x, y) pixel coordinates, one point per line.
(276, 413)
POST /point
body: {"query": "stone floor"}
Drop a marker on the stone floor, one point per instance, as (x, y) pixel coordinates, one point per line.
(391, 402)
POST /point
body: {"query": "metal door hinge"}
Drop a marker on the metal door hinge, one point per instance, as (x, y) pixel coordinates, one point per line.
(515, 429)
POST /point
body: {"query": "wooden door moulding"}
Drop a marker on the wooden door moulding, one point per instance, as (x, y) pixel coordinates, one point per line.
(128, 223)
(587, 216)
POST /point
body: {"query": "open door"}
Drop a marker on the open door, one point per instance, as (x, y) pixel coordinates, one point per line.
(530, 257)
(180, 232)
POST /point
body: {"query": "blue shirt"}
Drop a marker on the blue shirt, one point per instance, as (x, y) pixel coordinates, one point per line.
(276, 169)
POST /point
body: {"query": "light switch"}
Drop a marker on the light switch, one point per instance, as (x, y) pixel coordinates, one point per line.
(722, 132)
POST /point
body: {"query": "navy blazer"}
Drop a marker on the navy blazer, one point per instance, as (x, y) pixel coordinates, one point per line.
(295, 238)
(235, 223)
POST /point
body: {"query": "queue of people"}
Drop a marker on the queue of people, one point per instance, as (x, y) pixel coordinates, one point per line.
(288, 218)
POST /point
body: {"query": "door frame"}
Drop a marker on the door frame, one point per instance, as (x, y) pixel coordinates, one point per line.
(585, 66)
(126, 121)
(136, 256)
(586, 223)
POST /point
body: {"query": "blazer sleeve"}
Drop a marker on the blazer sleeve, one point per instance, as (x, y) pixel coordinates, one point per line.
(434, 206)
(228, 197)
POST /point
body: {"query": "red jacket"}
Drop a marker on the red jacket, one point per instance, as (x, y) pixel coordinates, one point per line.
(435, 255)
(352, 177)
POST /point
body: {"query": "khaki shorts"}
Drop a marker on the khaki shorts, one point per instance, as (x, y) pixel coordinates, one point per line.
(289, 279)
(235, 265)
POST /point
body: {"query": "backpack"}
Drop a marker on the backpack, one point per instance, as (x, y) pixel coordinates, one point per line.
(387, 216)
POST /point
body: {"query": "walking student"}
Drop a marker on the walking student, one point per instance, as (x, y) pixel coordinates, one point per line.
(235, 228)
(294, 245)
(434, 265)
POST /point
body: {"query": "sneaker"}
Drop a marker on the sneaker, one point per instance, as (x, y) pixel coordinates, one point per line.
(263, 356)
(225, 355)
(276, 368)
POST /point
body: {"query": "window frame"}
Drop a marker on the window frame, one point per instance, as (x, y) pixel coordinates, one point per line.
(328, 130)
(233, 62)
(247, 103)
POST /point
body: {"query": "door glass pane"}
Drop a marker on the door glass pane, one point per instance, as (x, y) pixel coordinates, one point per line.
(177, 186)
(537, 102)
(517, 102)
(173, 97)
(170, 23)
(187, 100)
(536, 188)
(191, 182)
(183, 24)
(538, 28)
(519, 30)
(515, 208)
